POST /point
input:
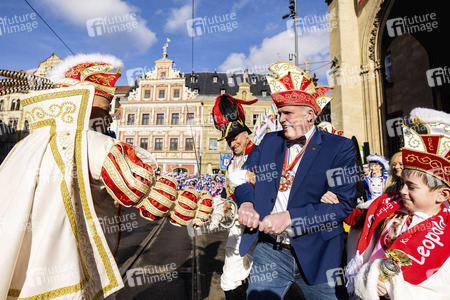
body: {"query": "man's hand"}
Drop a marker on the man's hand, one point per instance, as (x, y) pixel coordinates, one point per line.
(248, 215)
(251, 177)
(381, 288)
(226, 206)
(330, 198)
(275, 223)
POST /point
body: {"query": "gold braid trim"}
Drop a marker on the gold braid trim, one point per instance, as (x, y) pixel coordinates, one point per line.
(119, 181)
(155, 195)
(178, 220)
(126, 171)
(184, 211)
(138, 169)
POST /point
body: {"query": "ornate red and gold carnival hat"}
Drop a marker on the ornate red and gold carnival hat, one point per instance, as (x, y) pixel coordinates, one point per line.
(97, 69)
(429, 152)
(293, 86)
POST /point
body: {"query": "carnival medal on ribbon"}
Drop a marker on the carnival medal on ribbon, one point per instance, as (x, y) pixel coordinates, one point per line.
(287, 175)
(390, 266)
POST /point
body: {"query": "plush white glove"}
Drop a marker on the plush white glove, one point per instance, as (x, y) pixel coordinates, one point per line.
(217, 214)
(237, 177)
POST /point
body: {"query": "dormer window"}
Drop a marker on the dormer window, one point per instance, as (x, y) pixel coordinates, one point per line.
(253, 80)
(230, 80)
(264, 93)
(214, 79)
(193, 79)
(196, 90)
(222, 91)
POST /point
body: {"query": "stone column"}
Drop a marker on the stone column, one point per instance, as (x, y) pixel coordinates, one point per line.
(347, 111)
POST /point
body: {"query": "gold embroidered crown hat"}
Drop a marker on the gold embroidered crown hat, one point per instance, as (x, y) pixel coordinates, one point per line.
(293, 86)
(428, 152)
(100, 70)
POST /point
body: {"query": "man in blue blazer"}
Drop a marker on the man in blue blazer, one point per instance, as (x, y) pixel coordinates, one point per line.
(294, 168)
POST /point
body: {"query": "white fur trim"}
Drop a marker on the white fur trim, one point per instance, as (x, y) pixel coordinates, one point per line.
(377, 158)
(352, 269)
(436, 287)
(366, 280)
(428, 115)
(61, 69)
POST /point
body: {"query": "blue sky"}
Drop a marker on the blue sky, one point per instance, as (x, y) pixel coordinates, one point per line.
(253, 33)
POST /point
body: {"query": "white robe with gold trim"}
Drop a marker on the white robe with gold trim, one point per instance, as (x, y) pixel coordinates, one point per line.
(54, 246)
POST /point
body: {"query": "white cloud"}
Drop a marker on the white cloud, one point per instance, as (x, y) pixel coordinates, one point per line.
(178, 17)
(78, 12)
(239, 4)
(313, 46)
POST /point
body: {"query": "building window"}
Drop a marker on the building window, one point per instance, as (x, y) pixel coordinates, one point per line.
(255, 118)
(215, 79)
(163, 75)
(158, 144)
(222, 91)
(173, 144)
(17, 104)
(145, 119)
(264, 93)
(1, 104)
(144, 143)
(211, 118)
(130, 119)
(175, 118)
(129, 141)
(13, 124)
(230, 80)
(176, 93)
(26, 126)
(196, 90)
(213, 144)
(159, 119)
(189, 144)
(13, 105)
(193, 79)
(162, 94)
(388, 68)
(190, 118)
(147, 94)
(253, 80)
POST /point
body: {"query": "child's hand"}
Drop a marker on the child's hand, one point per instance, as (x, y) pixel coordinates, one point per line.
(381, 288)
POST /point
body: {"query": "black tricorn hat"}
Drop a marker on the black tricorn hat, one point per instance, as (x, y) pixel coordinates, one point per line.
(229, 116)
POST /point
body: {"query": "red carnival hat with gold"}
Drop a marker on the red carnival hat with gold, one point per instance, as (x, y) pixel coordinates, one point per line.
(97, 69)
(429, 152)
(293, 86)
(328, 127)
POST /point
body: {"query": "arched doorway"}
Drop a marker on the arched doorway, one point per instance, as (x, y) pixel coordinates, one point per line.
(411, 50)
(180, 170)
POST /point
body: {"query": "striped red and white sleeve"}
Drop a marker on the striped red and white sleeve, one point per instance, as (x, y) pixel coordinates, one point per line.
(127, 179)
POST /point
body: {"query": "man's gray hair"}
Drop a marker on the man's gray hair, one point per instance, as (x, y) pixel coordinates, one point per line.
(309, 109)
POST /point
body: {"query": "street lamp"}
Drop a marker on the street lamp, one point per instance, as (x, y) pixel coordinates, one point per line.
(293, 14)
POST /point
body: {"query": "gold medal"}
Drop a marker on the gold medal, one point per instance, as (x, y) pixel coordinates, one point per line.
(287, 175)
(286, 181)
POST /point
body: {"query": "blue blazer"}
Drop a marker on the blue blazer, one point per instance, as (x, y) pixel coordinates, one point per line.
(328, 164)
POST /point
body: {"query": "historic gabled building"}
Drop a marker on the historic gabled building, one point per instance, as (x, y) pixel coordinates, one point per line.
(169, 114)
(161, 115)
